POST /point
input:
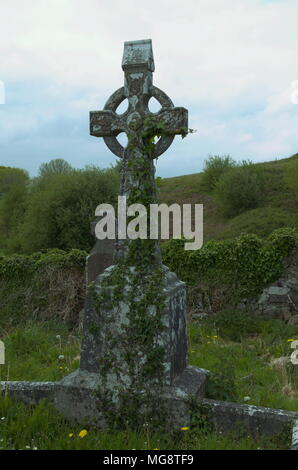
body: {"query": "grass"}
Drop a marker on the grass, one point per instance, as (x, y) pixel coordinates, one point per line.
(41, 427)
(238, 349)
(279, 207)
(40, 351)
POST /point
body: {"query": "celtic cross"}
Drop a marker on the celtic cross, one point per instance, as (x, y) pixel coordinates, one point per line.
(137, 158)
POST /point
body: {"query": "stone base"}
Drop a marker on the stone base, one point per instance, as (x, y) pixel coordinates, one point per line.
(75, 396)
(28, 392)
(253, 420)
(105, 334)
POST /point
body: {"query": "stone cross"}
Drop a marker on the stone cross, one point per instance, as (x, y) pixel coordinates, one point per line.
(134, 340)
(134, 348)
(139, 155)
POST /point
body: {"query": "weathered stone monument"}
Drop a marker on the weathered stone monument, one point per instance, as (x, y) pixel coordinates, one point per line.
(134, 348)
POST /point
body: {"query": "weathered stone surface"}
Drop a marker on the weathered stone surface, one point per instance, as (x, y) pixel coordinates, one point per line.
(100, 258)
(254, 420)
(77, 398)
(280, 300)
(192, 381)
(28, 392)
(173, 337)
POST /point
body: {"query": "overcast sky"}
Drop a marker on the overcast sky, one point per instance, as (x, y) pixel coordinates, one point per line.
(231, 63)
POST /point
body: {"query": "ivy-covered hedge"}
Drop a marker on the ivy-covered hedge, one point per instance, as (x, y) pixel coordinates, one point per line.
(242, 266)
(51, 284)
(44, 285)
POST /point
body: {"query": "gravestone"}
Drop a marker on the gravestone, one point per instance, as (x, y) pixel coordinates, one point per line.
(101, 257)
(134, 331)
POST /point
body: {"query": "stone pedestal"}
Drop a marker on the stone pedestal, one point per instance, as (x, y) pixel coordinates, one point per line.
(98, 329)
(76, 397)
(109, 363)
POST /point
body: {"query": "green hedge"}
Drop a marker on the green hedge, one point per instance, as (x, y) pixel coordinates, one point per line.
(51, 284)
(44, 285)
(244, 264)
(22, 267)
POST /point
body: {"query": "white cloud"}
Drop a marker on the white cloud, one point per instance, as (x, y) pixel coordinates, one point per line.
(230, 62)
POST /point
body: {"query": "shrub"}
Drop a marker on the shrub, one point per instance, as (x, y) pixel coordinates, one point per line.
(215, 167)
(42, 286)
(239, 189)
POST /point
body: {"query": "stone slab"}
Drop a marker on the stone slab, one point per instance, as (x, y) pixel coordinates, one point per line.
(76, 397)
(254, 420)
(28, 392)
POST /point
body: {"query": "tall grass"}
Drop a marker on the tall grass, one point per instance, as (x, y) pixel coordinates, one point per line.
(239, 353)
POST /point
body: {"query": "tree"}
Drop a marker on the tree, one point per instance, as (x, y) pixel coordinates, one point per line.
(54, 167)
(13, 189)
(240, 188)
(11, 177)
(60, 210)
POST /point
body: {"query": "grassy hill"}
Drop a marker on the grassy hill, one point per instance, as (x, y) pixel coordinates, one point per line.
(279, 207)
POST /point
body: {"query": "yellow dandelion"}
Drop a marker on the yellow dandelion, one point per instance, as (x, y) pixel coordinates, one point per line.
(83, 433)
(290, 340)
(70, 435)
(185, 428)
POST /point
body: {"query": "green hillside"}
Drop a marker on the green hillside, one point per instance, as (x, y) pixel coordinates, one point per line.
(279, 207)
